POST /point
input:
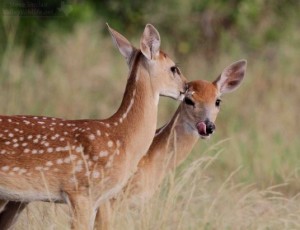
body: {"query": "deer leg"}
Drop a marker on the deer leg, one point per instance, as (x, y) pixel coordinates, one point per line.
(103, 217)
(83, 216)
(10, 214)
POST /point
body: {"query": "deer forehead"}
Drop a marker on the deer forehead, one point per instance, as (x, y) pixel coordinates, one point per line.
(203, 91)
(165, 60)
(163, 55)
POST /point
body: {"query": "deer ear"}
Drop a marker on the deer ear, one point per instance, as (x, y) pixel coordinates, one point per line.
(124, 46)
(150, 42)
(231, 77)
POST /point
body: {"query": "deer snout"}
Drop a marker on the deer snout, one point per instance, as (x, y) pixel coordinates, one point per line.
(210, 127)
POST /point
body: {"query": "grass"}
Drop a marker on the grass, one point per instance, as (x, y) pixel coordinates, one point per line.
(245, 177)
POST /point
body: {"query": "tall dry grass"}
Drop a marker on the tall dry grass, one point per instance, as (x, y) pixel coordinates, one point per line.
(245, 177)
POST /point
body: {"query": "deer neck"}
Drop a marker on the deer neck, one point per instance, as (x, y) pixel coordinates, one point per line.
(136, 118)
(173, 143)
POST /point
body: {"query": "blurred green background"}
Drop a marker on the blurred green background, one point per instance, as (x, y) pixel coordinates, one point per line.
(57, 59)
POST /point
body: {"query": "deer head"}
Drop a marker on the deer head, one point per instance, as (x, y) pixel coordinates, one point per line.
(162, 71)
(202, 101)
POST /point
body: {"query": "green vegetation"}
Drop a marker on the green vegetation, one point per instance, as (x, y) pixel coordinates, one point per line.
(65, 66)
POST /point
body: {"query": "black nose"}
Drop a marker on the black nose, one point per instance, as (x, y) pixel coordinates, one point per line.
(210, 127)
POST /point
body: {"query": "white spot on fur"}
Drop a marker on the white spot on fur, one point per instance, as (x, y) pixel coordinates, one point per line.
(15, 169)
(59, 161)
(110, 144)
(5, 168)
(67, 148)
(26, 150)
(95, 158)
(49, 163)
(35, 140)
(58, 149)
(67, 160)
(50, 150)
(98, 133)
(103, 154)
(79, 149)
(92, 137)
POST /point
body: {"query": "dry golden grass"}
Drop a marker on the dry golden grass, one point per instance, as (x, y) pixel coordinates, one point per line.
(248, 181)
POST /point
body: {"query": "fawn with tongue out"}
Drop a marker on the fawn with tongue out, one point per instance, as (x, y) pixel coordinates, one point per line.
(173, 142)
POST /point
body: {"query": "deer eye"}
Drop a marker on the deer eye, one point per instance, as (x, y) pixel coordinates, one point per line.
(174, 69)
(188, 101)
(218, 102)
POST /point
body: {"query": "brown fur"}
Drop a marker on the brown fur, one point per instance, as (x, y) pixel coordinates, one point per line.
(85, 162)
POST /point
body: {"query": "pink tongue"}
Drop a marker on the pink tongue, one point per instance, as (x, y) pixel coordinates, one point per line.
(201, 128)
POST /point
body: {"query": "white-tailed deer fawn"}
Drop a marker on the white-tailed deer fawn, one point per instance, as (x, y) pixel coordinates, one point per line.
(173, 142)
(85, 162)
